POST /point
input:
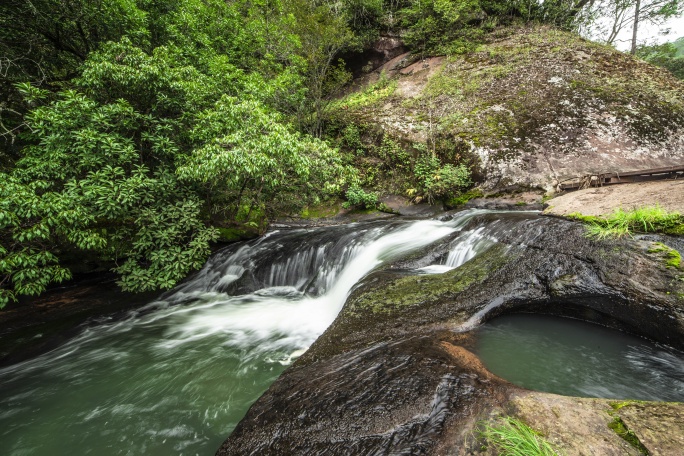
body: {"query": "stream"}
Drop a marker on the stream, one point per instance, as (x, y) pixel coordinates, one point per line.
(176, 376)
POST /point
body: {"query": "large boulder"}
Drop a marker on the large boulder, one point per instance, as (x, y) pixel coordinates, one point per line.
(530, 108)
(395, 372)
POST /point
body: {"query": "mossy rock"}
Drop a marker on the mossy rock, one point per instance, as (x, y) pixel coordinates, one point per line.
(237, 233)
(321, 211)
(463, 198)
(414, 290)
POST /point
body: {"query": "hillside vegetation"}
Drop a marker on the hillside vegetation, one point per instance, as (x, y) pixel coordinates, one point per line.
(137, 133)
(528, 108)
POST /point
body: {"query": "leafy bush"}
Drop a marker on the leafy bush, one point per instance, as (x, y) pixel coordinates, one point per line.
(140, 158)
(437, 181)
(356, 196)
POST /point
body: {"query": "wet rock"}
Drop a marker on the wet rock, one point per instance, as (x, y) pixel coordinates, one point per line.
(394, 374)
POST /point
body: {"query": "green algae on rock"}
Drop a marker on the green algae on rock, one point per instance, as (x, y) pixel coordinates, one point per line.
(391, 295)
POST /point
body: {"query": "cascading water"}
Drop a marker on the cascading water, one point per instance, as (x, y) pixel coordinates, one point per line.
(176, 376)
(462, 249)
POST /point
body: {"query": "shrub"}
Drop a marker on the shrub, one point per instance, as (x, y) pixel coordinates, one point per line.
(356, 196)
(437, 181)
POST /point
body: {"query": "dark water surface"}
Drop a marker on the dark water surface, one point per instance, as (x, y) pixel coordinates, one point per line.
(576, 358)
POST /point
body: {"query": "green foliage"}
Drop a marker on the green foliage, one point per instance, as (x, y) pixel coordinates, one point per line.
(372, 94)
(623, 223)
(437, 181)
(28, 217)
(515, 438)
(442, 26)
(394, 154)
(665, 55)
(457, 27)
(88, 184)
(356, 196)
(164, 133)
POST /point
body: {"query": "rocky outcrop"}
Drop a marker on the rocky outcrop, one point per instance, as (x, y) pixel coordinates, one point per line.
(395, 373)
(531, 108)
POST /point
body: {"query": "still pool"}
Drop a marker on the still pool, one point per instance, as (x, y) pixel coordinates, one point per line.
(576, 358)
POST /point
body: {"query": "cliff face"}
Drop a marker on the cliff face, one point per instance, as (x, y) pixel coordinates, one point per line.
(531, 108)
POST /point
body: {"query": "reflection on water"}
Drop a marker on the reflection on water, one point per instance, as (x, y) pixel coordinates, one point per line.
(576, 358)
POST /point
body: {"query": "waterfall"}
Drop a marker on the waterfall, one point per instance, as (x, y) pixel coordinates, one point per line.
(176, 376)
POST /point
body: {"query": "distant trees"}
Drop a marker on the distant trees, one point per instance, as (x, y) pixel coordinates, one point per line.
(608, 18)
(666, 55)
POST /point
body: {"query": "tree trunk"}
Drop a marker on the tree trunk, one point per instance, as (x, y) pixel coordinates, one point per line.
(636, 26)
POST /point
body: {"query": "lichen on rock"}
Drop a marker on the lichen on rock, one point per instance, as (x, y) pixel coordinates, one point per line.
(532, 107)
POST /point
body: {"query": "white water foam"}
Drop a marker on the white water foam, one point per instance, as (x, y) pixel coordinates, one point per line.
(206, 351)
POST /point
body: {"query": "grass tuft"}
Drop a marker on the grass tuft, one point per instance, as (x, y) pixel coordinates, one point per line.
(515, 438)
(621, 223)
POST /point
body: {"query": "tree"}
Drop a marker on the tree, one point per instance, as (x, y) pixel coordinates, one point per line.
(664, 55)
(611, 17)
(139, 158)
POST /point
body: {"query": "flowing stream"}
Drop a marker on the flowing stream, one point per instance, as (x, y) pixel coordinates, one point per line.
(176, 376)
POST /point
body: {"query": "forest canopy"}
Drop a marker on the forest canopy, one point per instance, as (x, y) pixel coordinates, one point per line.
(138, 130)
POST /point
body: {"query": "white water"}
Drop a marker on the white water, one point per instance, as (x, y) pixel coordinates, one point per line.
(176, 376)
(462, 249)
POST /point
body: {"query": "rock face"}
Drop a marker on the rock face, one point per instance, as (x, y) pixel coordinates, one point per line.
(395, 374)
(532, 108)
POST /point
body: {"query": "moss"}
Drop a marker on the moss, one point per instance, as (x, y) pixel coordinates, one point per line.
(583, 218)
(421, 289)
(463, 198)
(620, 428)
(320, 211)
(237, 233)
(675, 230)
(672, 257)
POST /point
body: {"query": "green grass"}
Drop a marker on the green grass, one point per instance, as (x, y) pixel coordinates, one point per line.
(621, 223)
(515, 438)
